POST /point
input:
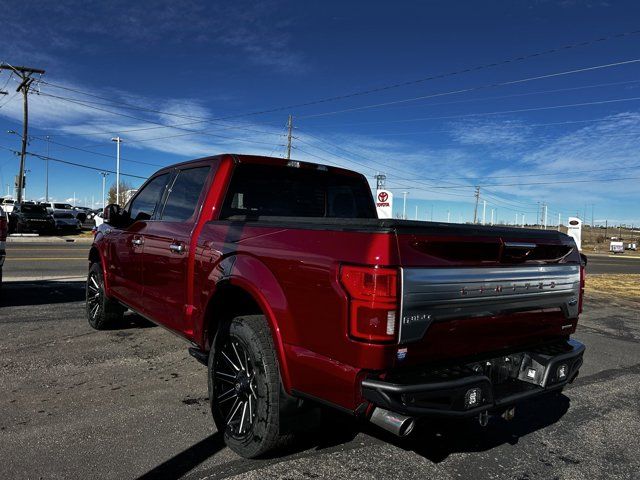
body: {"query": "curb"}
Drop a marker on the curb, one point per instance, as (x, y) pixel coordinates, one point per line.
(78, 240)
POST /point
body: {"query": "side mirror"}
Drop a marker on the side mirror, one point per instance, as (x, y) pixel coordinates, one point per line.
(114, 215)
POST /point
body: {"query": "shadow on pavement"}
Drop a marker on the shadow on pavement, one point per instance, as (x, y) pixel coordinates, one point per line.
(186, 460)
(41, 292)
(48, 292)
(435, 441)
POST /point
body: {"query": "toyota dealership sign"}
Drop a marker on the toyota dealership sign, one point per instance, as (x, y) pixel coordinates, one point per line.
(384, 204)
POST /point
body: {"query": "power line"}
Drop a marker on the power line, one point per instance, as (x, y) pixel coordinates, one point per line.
(86, 105)
(479, 87)
(112, 102)
(442, 75)
(515, 95)
(106, 155)
(75, 164)
(502, 112)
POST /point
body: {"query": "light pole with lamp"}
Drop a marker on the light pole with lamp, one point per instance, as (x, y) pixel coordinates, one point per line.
(118, 141)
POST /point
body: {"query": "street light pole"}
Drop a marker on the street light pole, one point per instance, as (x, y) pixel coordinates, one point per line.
(118, 141)
(46, 175)
(104, 180)
(404, 205)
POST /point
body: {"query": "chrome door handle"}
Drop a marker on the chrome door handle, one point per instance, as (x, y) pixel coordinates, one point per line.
(137, 242)
(176, 247)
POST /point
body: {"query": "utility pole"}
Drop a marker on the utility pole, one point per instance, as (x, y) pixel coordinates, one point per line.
(523, 224)
(404, 205)
(559, 221)
(448, 216)
(104, 181)
(290, 127)
(606, 226)
(475, 210)
(25, 75)
(416, 212)
(592, 205)
(545, 215)
(118, 141)
(492, 210)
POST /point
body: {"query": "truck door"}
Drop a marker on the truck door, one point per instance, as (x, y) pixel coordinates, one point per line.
(167, 249)
(126, 244)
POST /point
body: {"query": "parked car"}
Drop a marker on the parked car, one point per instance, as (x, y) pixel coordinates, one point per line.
(53, 207)
(30, 218)
(66, 221)
(293, 293)
(98, 218)
(632, 246)
(4, 231)
(7, 204)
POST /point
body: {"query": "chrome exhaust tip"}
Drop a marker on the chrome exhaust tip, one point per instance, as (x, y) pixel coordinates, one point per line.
(396, 423)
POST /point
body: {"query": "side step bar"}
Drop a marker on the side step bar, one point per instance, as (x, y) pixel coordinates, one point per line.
(199, 355)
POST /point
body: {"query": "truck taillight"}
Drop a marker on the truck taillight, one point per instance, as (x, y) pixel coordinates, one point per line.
(583, 276)
(373, 302)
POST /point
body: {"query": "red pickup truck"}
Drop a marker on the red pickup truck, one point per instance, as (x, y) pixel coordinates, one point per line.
(287, 285)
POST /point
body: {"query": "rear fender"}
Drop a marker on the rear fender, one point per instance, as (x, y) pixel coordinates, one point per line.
(252, 276)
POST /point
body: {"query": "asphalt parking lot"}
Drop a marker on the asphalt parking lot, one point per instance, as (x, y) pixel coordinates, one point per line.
(131, 403)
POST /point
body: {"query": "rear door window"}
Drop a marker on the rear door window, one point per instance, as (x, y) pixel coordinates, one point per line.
(144, 204)
(183, 195)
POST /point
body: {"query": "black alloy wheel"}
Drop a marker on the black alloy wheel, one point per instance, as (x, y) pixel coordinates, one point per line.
(102, 312)
(235, 389)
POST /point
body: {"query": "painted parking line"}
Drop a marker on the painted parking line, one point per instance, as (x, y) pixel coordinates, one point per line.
(68, 249)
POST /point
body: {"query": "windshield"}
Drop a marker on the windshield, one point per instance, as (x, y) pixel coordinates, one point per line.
(62, 206)
(33, 209)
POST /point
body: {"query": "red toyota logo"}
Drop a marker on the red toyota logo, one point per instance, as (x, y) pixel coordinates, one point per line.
(383, 196)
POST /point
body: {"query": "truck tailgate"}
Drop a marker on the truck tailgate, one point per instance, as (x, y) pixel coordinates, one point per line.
(469, 289)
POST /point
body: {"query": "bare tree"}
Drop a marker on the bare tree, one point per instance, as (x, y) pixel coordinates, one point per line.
(111, 196)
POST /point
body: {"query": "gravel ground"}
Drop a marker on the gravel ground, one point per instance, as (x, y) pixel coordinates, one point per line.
(131, 403)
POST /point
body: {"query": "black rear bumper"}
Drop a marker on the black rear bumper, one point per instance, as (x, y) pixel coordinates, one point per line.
(496, 383)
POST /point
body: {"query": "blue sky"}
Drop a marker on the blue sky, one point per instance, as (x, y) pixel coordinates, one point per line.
(518, 129)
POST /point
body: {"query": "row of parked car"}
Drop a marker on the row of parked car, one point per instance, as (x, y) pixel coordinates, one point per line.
(46, 217)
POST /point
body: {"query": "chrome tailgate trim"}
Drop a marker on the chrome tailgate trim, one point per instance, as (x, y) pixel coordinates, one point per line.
(435, 294)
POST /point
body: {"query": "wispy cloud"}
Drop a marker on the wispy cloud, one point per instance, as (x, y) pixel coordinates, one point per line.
(256, 31)
(492, 133)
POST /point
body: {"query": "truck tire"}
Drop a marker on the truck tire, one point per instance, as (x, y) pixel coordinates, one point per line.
(245, 386)
(102, 312)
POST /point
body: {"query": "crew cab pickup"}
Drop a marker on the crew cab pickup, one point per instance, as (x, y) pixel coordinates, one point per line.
(286, 284)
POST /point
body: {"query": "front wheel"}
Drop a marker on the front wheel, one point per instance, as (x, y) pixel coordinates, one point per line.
(244, 386)
(102, 312)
